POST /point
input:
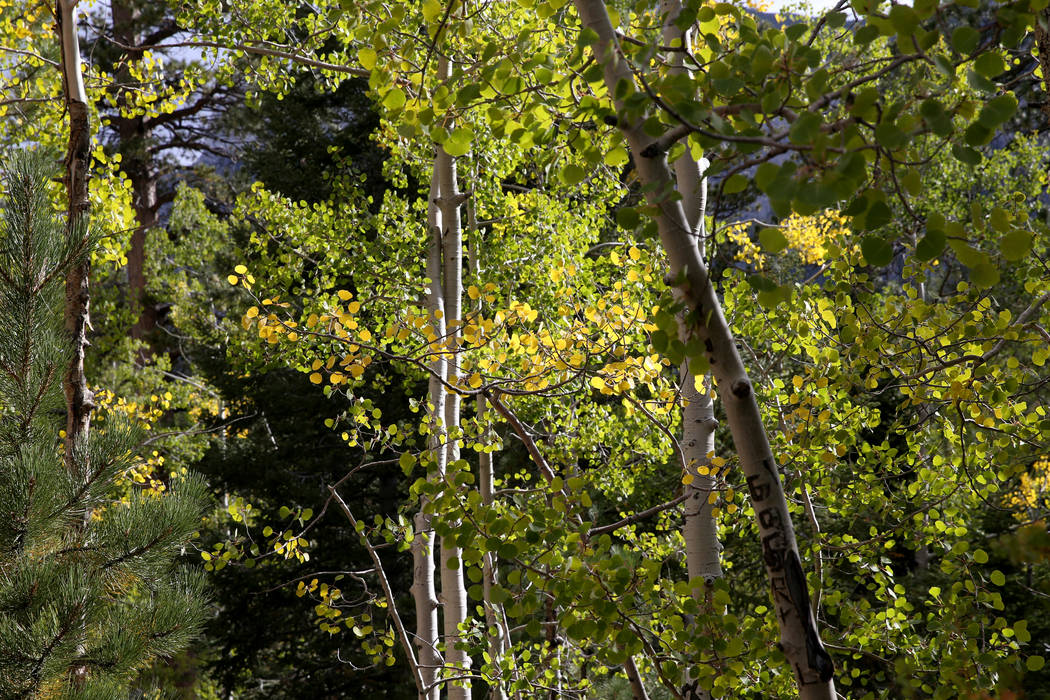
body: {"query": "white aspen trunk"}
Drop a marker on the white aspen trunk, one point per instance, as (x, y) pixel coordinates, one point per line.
(698, 415)
(495, 619)
(423, 590)
(799, 638)
(699, 528)
(453, 588)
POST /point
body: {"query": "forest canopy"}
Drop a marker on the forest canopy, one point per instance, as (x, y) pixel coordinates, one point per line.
(524, 349)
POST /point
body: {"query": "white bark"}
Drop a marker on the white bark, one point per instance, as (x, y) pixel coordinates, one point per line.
(699, 528)
(496, 628)
(423, 590)
(453, 588)
(71, 71)
(798, 633)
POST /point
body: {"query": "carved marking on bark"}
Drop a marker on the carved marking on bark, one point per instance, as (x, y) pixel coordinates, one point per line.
(759, 491)
(816, 654)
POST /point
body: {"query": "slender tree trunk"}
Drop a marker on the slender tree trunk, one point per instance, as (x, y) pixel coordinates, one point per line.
(495, 621)
(136, 165)
(79, 399)
(798, 632)
(423, 590)
(638, 691)
(453, 588)
(698, 420)
(699, 528)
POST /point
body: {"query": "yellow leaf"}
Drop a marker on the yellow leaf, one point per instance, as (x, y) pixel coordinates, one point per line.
(634, 253)
(475, 380)
(687, 479)
(240, 269)
(316, 378)
(473, 292)
(232, 279)
(598, 383)
(252, 312)
(365, 335)
(344, 295)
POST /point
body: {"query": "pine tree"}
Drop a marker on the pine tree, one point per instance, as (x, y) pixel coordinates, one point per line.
(89, 590)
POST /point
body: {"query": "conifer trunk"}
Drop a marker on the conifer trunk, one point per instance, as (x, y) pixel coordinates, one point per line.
(136, 165)
(79, 398)
(798, 633)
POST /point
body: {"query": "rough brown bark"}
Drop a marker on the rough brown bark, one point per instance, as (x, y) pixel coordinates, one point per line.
(79, 398)
(132, 133)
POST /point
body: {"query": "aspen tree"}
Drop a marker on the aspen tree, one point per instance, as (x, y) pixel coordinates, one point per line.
(799, 637)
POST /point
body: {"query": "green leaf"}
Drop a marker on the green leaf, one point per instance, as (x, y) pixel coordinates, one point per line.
(760, 283)
(985, 275)
(406, 461)
(904, 19)
(795, 32)
(978, 134)
(889, 136)
(805, 128)
(394, 99)
(1016, 244)
(1034, 662)
(616, 157)
(866, 34)
(876, 251)
(989, 64)
(736, 183)
(965, 39)
(966, 155)
(458, 142)
(930, 245)
(572, 174)
(879, 214)
(772, 240)
(628, 218)
(998, 110)
(998, 578)
(367, 58)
